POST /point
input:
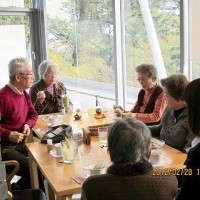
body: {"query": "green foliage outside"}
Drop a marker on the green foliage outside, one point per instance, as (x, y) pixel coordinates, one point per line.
(82, 43)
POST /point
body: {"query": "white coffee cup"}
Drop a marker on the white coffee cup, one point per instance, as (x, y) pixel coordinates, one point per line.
(156, 156)
(55, 120)
(58, 149)
(96, 171)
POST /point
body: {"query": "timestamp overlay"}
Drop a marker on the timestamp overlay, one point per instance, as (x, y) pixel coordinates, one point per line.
(175, 172)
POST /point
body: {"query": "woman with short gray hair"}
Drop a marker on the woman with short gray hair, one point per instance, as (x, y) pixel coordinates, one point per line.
(46, 94)
(130, 175)
(44, 66)
(150, 103)
(126, 141)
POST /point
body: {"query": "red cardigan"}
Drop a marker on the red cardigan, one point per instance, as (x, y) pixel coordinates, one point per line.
(16, 111)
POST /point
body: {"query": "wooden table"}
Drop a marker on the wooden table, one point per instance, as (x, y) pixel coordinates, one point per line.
(87, 119)
(58, 175)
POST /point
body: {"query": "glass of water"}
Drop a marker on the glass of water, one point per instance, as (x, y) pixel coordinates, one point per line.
(103, 131)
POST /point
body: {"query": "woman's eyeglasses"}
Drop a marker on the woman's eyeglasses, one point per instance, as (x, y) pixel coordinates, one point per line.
(52, 74)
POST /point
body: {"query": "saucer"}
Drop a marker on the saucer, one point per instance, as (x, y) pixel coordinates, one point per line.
(51, 126)
(163, 162)
(99, 116)
(68, 162)
(53, 153)
(46, 118)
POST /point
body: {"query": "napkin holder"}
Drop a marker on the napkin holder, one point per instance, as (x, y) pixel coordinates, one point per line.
(94, 129)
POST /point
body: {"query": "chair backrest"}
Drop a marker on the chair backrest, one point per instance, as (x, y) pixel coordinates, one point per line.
(10, 196)
(32, 194)
(10, 175)
(137, 187)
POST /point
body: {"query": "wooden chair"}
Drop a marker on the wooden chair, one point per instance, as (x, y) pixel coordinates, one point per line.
(30, 194)
(9, 176)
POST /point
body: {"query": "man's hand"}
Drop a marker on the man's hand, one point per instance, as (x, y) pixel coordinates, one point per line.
(26, 130)
(16, 137)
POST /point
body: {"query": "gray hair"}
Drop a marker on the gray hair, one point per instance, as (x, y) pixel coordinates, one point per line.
(129, 140)
(44, 66)
(15, 66)
(148, 70)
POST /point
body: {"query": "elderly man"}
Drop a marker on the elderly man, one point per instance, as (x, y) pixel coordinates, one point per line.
(18, 116)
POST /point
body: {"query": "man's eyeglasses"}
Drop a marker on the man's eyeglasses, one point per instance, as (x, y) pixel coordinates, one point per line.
(26, 74)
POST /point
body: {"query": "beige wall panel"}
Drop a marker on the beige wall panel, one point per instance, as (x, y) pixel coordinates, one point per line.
(195, 29)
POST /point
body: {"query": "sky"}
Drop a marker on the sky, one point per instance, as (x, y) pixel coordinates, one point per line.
(53, 8)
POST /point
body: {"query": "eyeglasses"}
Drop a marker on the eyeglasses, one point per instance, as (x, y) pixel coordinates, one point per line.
(141, 79)
(27, 74)
(52, 74)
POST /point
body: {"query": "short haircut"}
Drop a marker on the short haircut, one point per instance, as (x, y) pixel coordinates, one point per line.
(192, 98)
(129, 141)
(148, 70)
(44, 66)
(175, 85)
(15, 66)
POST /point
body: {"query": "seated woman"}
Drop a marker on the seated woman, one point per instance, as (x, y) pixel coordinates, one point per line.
(173, 128)
(46, 94)
(130, 175)
(151, 102)
(191, 183)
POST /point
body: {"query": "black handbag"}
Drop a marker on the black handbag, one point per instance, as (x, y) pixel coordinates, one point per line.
(57, 134)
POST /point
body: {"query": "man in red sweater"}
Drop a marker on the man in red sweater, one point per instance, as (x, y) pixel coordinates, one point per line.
(18, 116)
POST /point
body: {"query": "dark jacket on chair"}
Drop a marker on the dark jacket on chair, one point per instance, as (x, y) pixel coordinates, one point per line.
(130, 182)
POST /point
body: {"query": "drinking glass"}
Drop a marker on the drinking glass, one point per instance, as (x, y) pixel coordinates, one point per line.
(67, 153)
(86, 159)
(102, 131)
(65, 101)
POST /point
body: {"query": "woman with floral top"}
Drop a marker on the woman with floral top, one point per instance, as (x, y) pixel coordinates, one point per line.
(46, 94)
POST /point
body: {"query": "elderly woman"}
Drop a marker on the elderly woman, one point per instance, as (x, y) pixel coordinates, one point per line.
(130, 175)
(191, 184)
(151, 102)
(46, 94)
(173, 128)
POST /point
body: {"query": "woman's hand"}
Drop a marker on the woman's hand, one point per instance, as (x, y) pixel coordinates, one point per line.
(128, 115)
(70, 109)
(119, 107)
(41, 96)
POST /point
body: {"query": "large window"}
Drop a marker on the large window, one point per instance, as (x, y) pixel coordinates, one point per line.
(152, 35)
(81, 40)
(98, 43)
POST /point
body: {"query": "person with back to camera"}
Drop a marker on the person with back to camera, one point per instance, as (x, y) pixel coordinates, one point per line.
(130, 177)
(173, 128)
(151, 102)
(190, 184)
(46, 94)
(18, 116)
